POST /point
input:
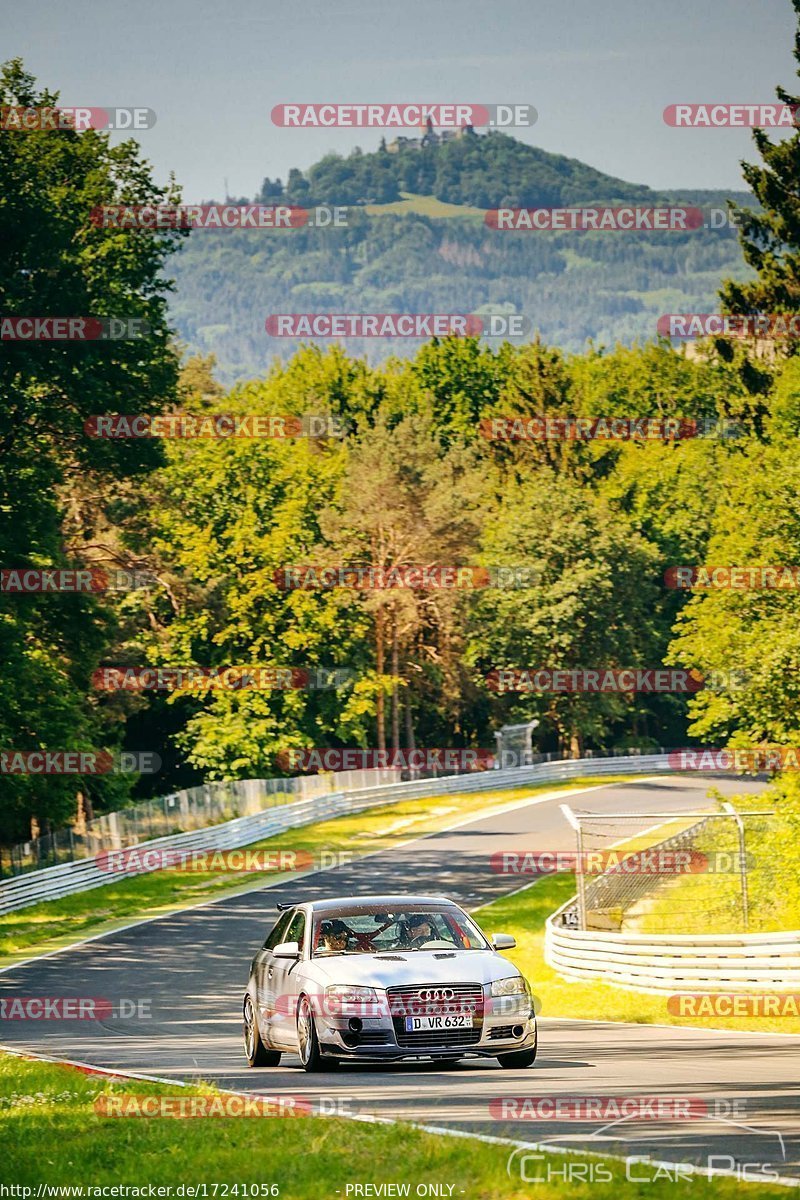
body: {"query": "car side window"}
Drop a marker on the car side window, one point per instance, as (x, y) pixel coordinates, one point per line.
(276, 936)
(297, 929)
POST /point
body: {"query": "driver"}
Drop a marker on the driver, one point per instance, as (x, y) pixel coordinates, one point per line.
(419, 929)
(334, 935)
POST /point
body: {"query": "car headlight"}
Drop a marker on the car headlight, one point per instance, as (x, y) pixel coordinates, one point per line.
(512, 985)
(349, 994)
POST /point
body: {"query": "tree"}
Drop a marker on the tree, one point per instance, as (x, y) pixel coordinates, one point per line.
(57, 263)
(407, 502)
(591, 607)
(271, 191)
(463, 379)
(750, 634)
(224, 516)
(770, 237)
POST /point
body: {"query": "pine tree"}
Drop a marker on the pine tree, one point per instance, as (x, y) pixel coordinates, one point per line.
(770, 237)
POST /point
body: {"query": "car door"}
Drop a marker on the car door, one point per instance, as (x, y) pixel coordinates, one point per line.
(262, 964)
(282, 985)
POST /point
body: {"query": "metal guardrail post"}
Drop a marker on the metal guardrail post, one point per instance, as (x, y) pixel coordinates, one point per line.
(579, 876)
(581, 882)
(742, 862)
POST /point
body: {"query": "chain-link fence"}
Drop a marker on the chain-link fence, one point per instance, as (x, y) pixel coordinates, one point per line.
(180, 812)
(666, 872)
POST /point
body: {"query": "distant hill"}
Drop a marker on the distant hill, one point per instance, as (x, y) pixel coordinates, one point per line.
(416, 242)
(484, 170)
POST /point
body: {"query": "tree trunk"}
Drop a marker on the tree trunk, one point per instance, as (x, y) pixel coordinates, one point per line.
(575, 744)
(395, 689)
(410, 743)
(380, 660)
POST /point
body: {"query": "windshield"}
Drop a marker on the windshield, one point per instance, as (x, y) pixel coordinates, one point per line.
(370, 930)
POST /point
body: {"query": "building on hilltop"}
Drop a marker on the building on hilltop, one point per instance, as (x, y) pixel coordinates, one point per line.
(429, 137)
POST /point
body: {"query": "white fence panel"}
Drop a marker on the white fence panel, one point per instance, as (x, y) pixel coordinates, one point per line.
(670, 963)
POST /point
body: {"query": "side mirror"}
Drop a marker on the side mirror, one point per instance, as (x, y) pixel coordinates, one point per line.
(503, 941)
(287, 950)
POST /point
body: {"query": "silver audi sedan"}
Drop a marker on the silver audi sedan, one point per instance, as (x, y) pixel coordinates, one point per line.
(385, 978)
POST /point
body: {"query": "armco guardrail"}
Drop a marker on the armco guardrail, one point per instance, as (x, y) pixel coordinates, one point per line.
(181, 812)
(51, 883)
(669, 963)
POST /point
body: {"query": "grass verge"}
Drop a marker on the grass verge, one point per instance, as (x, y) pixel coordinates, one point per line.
(426, 206)
(53, 924)
(712, 901)
(524, 915)
(51, 1134)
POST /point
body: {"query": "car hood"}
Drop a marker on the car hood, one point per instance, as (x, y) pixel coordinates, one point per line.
(415, 967)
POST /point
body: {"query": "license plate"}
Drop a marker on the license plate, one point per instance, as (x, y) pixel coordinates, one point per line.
(454, 1021)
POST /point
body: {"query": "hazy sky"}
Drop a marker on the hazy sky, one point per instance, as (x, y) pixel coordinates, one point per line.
(599, 74)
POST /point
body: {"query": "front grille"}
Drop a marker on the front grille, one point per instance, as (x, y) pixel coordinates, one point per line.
(372, 1038)
(407, 1002)
(428, 1038)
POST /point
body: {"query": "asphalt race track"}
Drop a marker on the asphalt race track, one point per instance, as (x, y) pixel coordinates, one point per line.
(192, 967)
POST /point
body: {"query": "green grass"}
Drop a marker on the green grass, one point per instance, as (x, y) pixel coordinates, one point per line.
(524, 916)
(51, 1133)
(48, 926)
(702, 903)
(711, 901)
(426, 206)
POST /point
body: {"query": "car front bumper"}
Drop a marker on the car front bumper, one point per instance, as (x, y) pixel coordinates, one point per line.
(511, 1028)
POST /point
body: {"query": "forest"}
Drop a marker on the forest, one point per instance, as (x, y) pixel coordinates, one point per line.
(387, 466)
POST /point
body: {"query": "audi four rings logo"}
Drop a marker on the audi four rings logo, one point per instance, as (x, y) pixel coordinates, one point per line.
(436, 994)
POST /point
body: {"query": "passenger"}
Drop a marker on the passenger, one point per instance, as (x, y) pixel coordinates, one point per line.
(333, 936)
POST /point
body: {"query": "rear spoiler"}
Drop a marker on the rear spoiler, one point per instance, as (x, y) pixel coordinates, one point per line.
(282, 905)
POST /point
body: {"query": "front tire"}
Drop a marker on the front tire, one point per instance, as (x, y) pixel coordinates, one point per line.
(256, 1053)
(517, 1059)
(307, 1040)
